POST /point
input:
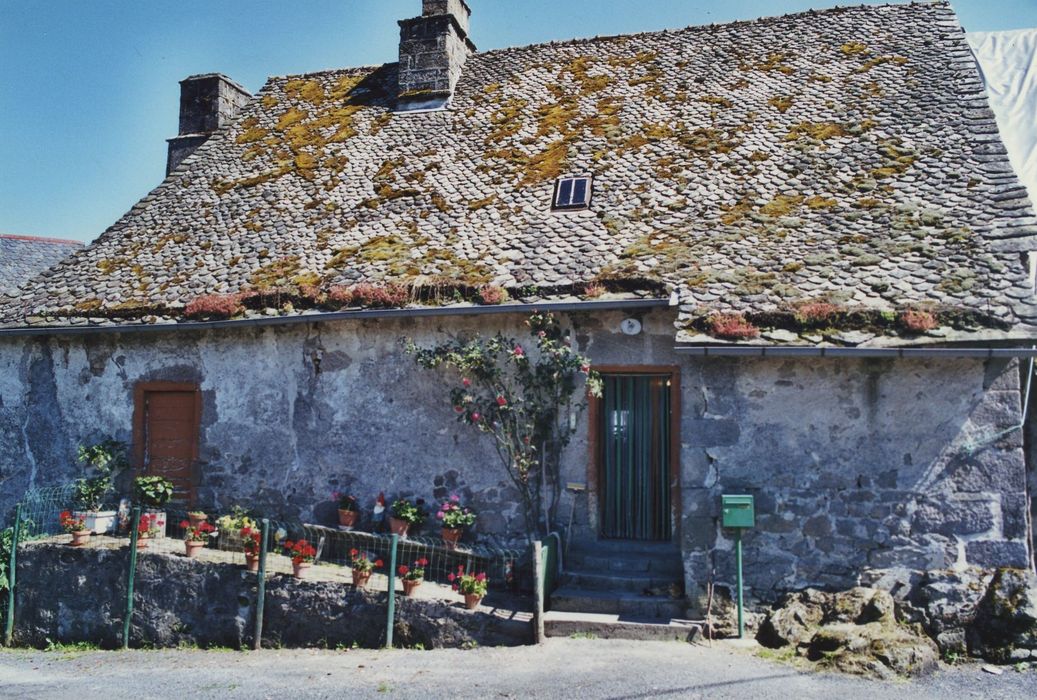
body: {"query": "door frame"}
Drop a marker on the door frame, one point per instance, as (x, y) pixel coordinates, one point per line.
(140, 392)
(593, 439)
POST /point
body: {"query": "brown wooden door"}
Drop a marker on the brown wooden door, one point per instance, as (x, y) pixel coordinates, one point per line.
(168, 417)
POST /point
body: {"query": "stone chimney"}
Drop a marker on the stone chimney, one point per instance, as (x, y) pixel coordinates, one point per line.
(207, 102)
(433, 50)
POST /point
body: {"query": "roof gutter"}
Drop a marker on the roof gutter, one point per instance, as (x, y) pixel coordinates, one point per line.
(556, 307)
(896, 353)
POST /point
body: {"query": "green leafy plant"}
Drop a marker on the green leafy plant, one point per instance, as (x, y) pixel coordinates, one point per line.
(469, 584)
(153, 491)
(105, 460)
(453, 515)
(364, 561)
(409, 512)
(527, 403)
(237, 520)
(89, 493)
(415, 572)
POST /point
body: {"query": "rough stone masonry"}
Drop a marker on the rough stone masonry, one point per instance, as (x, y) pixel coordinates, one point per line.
(873, 471)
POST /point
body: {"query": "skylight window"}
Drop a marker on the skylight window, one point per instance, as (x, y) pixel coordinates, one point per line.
(572, 192)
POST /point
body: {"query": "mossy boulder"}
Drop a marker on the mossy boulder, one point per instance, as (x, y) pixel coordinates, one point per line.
(1006, 619)
(854, 631)
(882, 649)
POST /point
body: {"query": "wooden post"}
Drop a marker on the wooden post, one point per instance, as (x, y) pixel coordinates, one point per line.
(538, 592)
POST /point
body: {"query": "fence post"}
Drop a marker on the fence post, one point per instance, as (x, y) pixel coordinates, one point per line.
(257, 637)
(134, 533)
(391, 616)
(538, 592)
(12, 576)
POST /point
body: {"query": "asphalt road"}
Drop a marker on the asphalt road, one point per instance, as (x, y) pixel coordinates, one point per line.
(563, 668)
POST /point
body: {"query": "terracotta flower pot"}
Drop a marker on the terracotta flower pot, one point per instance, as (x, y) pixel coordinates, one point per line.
(142, 542)
(193, 548)
(451, 536)
(196, 519)
(347, 518)
(360, 578)
(252, 563)
(299, 570)
(471, 600)
(398, 527)
(80, 538)
(410, 585)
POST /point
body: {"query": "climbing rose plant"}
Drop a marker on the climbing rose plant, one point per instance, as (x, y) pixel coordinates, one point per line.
(526, 401)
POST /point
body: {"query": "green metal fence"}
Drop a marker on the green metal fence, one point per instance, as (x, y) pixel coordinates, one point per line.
(39, 514)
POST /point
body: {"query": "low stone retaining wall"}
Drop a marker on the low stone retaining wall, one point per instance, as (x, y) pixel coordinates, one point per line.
(79, 595)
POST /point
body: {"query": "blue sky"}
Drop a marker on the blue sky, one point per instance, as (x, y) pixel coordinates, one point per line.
(89, 93)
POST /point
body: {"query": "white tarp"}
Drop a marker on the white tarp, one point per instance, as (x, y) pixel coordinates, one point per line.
(1009, 64)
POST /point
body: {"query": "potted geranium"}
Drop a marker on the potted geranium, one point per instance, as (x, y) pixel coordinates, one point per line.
(454, 518)
(230, 528)
(471, 586)
(348, 510)
(75, 526)
(405, 515)
(412, 575)
(363, 565)
(196, 536)
(197, 517)
(302, 554)
(146, 530)
(154, 492)
(106, 460)
(250, 538)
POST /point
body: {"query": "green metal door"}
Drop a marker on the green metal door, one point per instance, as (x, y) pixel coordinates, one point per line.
(634, 457)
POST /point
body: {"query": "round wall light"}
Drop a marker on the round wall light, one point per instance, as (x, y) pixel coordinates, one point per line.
(630, 326)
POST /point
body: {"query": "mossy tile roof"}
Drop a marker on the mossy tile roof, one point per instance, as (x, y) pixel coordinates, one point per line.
(846, 155)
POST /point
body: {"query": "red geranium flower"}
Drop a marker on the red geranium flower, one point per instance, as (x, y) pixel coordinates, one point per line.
(378, 563)
(403, 570)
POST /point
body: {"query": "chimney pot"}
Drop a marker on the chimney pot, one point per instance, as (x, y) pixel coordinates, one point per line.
(433, 51)
(207, 102)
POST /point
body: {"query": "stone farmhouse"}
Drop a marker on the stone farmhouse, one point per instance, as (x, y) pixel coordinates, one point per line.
(794, 247)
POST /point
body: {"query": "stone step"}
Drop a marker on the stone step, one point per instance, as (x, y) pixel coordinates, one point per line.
(632, 582)
(604, 626)
(626, 547)
(569, 599)
(663, 564)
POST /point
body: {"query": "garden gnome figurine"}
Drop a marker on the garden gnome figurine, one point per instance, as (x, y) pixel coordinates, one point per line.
(378, 512)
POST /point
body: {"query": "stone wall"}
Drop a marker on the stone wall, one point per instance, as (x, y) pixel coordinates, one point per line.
(75, 595)
(862, 469)
(290, 414)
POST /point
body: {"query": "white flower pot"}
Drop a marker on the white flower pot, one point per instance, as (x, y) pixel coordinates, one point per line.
(99, 522)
